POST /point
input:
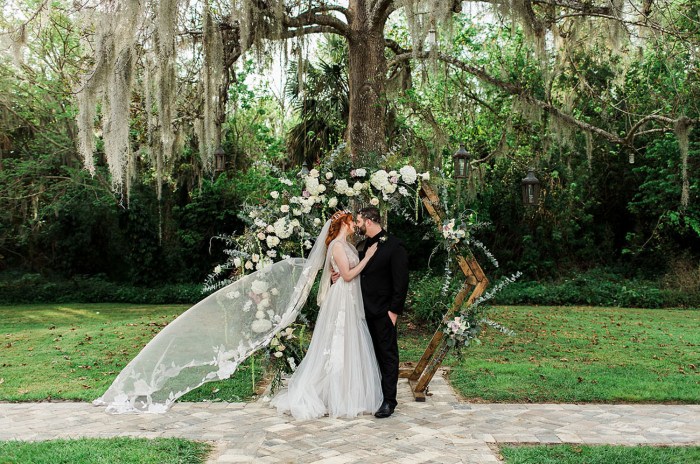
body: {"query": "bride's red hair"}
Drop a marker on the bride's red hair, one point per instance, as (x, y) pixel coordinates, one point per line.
(337, 220)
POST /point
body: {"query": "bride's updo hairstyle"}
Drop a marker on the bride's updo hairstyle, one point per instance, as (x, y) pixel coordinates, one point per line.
(337, 220)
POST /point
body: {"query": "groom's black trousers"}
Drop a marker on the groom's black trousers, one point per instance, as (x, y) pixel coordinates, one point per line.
(386, 348)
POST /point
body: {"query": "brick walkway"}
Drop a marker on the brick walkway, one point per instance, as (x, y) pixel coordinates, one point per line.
(441, 430)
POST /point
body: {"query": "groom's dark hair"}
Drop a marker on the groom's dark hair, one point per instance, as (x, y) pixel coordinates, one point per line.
(371, 213)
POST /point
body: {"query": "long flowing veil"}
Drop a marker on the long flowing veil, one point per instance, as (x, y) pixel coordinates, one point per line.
(212, 338)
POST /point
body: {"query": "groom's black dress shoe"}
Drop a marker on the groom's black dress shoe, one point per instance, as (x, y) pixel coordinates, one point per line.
(385, 410)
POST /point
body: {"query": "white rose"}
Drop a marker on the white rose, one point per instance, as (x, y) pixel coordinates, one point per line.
(374, 201)
(275, 194)
(358, 186)
(271, 253)
(295, 222)
(255, 257)
(261, 325)
(317, 222)
(333, 202)
(329, 175)
(252, 214)
(260, 315)
(217, 269)
(270, 228)
(237, 262)
(297, 212)
(261, 236)
(390, 188)
(360, 172)
(272, 241)
(314, 173)
(248, 265)
(341, 185)
(264, 303)
(278, 354)
(275, 292)
(284, 208)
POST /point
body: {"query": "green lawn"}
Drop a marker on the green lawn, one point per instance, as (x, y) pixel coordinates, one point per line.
(584, 354)
(576, 454)
(105, 451)
(74, 351)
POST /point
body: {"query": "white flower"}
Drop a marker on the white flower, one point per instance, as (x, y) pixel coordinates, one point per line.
(283, 228)
(237, 262)
(272, 241)
(259, 286)
(286, 181)
(296, 212)
(217, 269)
(278, 354)
(314, 187)
(248, 265)
(333, 202)
(292, 363)
(341, 186)
(403, 191)
(426, 176)
(390, 188)
(307, 244)
(286, 256)
(259, 223)
(358, 186)
(271, 253)
(261, 236)
(246, 307)
(275, 292)
(360, 172)
(313, 173)
(408, 174)
(260, 314)
(252, 214)
(284, 208)
(379, 179)
(317, 222)
(261, 325)
(233, 295)
(270, 228)
(295, 222)
(329, 175)
(374, 201)
(255, 257)
(264, 303)
(275, 194)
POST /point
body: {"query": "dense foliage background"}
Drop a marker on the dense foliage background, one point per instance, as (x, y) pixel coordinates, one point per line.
(608, 231)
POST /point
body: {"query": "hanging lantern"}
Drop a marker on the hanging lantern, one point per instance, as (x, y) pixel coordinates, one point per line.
(531, 189)
(219, 159)
(461, 163)
(304, 170)
(431, 39)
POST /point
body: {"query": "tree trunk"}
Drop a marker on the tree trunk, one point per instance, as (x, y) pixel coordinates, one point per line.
(366, 74)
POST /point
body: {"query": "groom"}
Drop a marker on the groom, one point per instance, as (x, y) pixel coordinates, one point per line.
(384, 284)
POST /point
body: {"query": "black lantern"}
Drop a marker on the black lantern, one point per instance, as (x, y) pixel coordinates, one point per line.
(531, 189)
(304, 170)
(461, 160)
(220, 159)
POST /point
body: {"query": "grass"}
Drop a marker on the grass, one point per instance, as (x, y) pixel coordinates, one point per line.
(584, 354)
(604, 454)
(105, 451)
(74, 351)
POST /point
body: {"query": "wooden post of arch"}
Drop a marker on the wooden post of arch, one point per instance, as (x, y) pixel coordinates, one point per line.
(420, 374)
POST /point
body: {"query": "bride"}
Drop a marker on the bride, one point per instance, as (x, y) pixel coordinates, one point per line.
(339, 376)
(209, 341)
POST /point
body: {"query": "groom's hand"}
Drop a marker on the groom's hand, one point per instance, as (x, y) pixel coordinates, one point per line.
(393, 317)
(334, 276)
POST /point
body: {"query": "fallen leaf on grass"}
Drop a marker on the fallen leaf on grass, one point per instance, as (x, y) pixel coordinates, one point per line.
(22, 392)
(2, 381)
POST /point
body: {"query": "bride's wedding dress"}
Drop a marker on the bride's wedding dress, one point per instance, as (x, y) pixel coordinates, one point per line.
(339, 375)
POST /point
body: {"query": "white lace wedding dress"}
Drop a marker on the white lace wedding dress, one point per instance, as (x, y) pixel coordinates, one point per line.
(339, 375)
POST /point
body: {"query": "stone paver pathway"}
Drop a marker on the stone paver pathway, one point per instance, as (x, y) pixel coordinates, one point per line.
(441, 430)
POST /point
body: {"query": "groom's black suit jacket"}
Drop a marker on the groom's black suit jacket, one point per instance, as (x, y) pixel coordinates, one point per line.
(384, 279)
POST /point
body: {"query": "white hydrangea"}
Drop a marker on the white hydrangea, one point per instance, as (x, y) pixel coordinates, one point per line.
(341, 186)
(271, 253)
(403, 191)
(359, 172)
(408, 174)
(259, 286)
(333, 202)
(283, 228)
(379, 179)
(314, 173)
(286, 181)
(314, 187)
(261, 325)
(275, 194)
(426, 176)
(272, 241)
(358, 186)
(233, 295)
(259, 223)
(248, 304)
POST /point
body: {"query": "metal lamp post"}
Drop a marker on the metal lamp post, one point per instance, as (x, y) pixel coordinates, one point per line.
(461, 163)
(531, 189)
